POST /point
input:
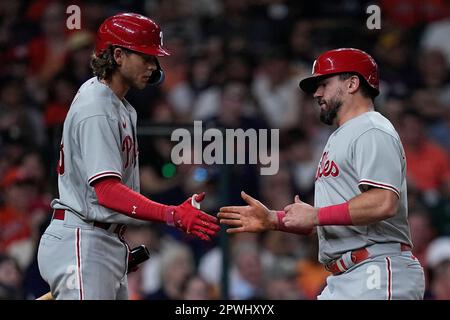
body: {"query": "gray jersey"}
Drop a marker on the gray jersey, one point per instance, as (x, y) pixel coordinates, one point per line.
(364, 152)
(99, 140)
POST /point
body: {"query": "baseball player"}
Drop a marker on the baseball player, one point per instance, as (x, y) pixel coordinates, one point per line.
(360, 206)
(82, 254)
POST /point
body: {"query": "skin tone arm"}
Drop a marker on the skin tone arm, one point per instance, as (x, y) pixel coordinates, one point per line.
(371, 206)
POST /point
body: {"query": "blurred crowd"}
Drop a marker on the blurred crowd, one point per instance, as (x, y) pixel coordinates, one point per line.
(234, 64)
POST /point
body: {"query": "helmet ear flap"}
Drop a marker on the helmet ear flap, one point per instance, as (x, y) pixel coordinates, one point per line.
(157, 76)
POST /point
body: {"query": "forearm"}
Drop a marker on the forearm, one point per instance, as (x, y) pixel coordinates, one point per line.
(369, 207)
(373, 206)
(114, 195)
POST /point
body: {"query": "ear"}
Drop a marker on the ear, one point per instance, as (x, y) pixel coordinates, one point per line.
(353, 84)
(118, 55)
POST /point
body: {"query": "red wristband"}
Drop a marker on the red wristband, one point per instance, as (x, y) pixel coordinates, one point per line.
(338, 215)
(280, 225)
(170, 216)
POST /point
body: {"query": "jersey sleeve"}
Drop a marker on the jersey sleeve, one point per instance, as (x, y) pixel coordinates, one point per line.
(378, 160)
(99, 140)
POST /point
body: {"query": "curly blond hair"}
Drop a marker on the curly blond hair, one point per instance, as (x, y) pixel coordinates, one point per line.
(104, 66)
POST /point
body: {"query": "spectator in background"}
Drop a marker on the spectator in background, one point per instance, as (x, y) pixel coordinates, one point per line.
(422, 232)
(246, 281)
(176, 65)
(4, 166)
(14, 218)
(60, 97)
(95, 12)
(18, 120)
(301, 50)
(12, 43)
(187, 96)
(10, 279)
(393, 108)
(79, 50)
(39, 196)
(238, 66)
(440, 131)
(23, 210)
(197, 288)
(438, 257)
(33, 284)
(47, 52)
(179, 18)
(410, 13)
(393, 48)
(149, 272)
(279, 282)
(280, 254)
(311, 275)
(441, 212)
(234, 113)
(428, 165)
(228, 102)
(435, 36)
(431, 98)
(11, 153)
(201, 96)
(240, 30)
(276, 91)
(159, 178)
(177, 265)
(210, 266)
(303, 164)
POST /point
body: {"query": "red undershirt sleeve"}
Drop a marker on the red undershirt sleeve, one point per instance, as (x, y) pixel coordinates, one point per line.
(114, 195)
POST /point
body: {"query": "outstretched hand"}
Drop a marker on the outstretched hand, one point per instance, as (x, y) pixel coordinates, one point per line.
(255, 217)
(192, 220)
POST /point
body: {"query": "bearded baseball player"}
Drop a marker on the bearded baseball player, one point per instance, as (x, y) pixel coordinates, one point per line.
(82, 254)
(360, 206)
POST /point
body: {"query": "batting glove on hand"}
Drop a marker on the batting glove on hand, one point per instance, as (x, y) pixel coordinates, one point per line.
(192, 220)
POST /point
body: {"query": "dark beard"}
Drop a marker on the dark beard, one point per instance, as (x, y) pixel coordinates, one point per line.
(328, 116)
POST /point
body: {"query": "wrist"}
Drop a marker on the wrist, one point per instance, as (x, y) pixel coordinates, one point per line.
(280, 224)
(315, 217)
(334, 215)
(275, 218)
(170, 215)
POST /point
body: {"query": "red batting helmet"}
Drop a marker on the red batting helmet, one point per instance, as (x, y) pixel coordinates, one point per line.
(341, 61)
(132, 31)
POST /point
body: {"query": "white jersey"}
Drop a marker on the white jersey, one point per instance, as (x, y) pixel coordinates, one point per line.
(364, 152)
(99, 140)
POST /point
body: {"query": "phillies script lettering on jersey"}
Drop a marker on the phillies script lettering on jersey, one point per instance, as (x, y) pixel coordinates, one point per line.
(128, 147)
(326, 167)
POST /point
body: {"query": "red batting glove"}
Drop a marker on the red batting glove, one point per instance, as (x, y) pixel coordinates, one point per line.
(192, 220)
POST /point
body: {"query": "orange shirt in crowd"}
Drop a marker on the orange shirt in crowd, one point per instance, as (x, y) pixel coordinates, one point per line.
(427, 166)
(311, 278)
